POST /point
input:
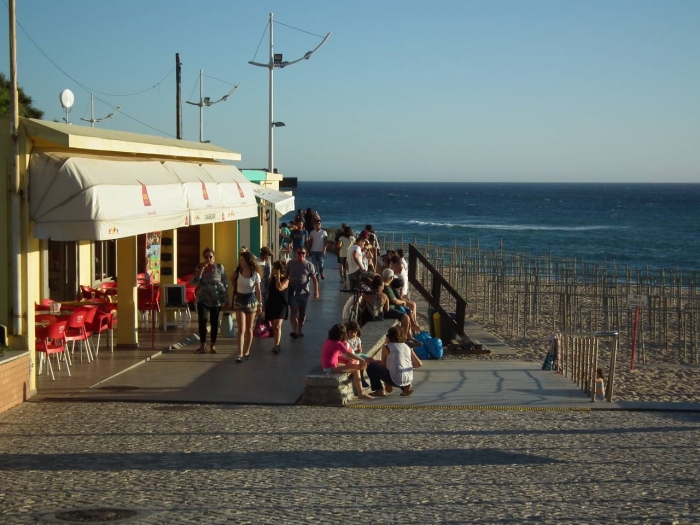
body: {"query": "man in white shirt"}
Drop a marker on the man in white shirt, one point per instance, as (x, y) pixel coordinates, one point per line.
(318, 242)
(356, 263)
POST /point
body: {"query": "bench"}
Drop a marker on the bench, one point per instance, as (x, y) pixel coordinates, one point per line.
(336, 389)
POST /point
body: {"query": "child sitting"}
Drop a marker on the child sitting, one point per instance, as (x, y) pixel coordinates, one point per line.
(355, 346)
(335, 348)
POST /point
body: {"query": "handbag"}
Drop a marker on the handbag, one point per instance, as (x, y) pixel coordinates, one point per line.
(262, 328)
(227, 329)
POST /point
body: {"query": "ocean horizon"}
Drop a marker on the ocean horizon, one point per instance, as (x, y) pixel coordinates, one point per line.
(640, 225)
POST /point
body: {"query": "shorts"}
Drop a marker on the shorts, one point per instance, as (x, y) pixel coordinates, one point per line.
(245, 302)
(342, 260)
(394, 314)
(298, 300)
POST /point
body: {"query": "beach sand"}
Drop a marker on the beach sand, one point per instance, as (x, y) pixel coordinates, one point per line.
(665, 376)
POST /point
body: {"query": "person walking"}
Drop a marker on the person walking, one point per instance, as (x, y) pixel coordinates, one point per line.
(300, 273)
(265, 262)
(318, 243)
(212, 292)
(247, 301)
(277, 305)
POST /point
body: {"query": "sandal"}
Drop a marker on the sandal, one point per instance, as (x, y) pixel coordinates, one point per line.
(239, 359)
(247, 356)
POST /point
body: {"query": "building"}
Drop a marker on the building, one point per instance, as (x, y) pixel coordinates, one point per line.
(88, 198)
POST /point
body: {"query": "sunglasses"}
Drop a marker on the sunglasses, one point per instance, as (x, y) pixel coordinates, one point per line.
(301, 253)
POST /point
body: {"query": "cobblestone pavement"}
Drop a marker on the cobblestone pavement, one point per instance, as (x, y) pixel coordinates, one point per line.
(212, 464)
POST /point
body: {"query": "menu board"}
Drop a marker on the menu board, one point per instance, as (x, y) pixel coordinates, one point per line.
(153, 242)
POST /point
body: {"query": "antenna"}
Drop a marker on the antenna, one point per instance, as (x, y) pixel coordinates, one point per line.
(92, 118)
(67, 98)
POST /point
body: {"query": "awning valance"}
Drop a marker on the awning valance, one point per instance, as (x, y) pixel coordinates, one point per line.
(284, 202)
(94, 197)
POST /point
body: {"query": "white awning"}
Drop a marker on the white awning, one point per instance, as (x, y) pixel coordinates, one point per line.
(95, 197)
(284, 202)
(215, 192)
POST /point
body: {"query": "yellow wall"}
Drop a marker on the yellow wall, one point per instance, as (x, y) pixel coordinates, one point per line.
(5, 249)
(227, 246)
(127, 324)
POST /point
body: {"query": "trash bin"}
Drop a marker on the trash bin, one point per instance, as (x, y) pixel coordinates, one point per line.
(439, 327)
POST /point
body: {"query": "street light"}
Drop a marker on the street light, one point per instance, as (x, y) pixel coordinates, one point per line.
(206, 101)
(276, 61)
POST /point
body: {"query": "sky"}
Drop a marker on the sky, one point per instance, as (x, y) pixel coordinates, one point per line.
(403, 90)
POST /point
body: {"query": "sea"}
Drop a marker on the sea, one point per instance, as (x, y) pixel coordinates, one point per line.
(648, 226)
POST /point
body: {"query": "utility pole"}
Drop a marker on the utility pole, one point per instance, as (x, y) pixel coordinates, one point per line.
(178, 95)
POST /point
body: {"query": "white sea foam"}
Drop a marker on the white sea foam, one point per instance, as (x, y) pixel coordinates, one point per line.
(513, 227)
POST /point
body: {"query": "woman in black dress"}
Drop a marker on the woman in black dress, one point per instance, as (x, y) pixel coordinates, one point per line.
(276, 306)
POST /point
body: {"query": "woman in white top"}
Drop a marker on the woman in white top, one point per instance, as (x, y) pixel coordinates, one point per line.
(395, 368)
(247, 301)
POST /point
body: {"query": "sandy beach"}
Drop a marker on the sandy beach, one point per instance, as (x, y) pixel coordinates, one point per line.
(663, 377)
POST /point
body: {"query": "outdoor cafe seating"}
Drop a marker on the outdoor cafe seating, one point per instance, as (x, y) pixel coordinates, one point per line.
(50, 336)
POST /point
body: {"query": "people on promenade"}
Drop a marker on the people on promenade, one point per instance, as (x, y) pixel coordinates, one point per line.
(212, 292)
(277, 305)
(300, 273)
(377, 307)
(247, 301)
(336, 358)
(343, 243)
(404, 305)
(318, 243)
(356, 264)
(401, 271)
(299, 236)
(265, 262)
(310, 217)
(395, 368)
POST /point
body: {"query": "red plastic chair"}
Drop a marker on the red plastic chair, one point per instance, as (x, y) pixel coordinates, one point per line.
(76, 332)
(87, 292)
(46, 302)
(101, 322)
(148, 303)
(45, 319)
(51, 340)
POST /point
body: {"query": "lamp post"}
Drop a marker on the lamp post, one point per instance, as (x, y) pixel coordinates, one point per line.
(206, 101)
(276, 61)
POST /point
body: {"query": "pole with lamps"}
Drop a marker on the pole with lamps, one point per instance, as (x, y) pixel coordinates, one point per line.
(276, 61)
(206, 101)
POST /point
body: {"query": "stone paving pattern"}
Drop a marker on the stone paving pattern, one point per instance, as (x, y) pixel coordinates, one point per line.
(216, 464)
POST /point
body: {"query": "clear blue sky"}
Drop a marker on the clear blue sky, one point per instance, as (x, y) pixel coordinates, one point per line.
(405, 90)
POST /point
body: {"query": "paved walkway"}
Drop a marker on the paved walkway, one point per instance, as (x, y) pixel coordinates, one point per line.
(171, 372)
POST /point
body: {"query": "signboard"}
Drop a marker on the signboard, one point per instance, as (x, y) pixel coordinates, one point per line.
(153, 242)
(637, 300)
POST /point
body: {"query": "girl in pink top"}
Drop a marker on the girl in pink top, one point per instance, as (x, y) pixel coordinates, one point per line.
(336, 347)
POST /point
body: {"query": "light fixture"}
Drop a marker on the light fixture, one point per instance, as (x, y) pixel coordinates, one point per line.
(276, 61)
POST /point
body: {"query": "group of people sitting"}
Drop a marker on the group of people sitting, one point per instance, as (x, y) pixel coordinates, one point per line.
(341, 353)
